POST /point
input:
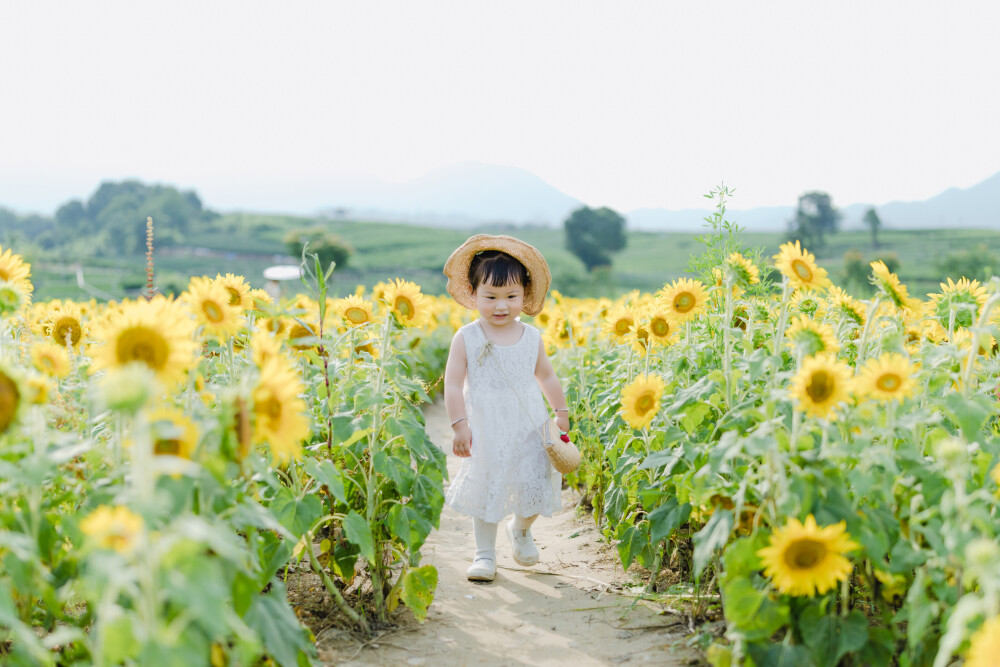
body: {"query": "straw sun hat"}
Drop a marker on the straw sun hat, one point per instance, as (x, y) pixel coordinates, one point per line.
(457, 269)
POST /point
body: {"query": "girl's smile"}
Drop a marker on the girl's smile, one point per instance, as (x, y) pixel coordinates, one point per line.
(499, 305)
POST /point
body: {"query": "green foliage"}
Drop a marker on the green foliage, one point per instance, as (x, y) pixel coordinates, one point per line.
(874, 223)
(857, 269)
(593, 234)
(815, 218)
(974, 263)
(330, 248)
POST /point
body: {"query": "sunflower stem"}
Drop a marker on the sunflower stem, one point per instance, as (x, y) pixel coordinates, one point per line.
(727, 343)
(863, 343)
(779, 332)
(984, 317)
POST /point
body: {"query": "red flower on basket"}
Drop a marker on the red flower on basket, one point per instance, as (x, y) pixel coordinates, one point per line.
(564, 437)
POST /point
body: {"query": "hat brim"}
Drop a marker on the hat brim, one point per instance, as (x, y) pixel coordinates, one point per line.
(457, 269)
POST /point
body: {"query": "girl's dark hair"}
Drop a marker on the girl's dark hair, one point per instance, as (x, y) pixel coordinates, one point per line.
(496, 268)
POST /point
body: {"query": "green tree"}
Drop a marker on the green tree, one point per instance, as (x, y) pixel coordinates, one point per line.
(874, 223)
(330, 248)
(974, 263)
(815, 216)
(592, 234)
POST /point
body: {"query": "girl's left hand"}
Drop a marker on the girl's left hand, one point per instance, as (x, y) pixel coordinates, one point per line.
(562, 421)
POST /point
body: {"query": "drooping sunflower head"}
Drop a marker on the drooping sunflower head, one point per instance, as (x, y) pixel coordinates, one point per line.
(800, 267)
(619, 323)
(237, 289)
(174, 433)
(406, 302)
(115, 528)
(805, 560)
(744, 272)
(210, 303)
(684, 298)
(157, 333)
(811, 337)
(641, 400)
(356, 311)
(887, 378)
(65, 325)
(843, 305)
(984, 646)
(639, 337)
(821, 384)
(12, 397)
(51, 359)
(965, 299)
(888, 285)
(278, 412)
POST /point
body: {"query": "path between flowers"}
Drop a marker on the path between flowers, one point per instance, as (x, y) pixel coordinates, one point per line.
(560, 612)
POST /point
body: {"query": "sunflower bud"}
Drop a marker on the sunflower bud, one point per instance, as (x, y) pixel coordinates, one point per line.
(127, 388)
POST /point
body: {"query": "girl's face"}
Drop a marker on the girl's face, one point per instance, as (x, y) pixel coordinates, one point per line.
(499, 305)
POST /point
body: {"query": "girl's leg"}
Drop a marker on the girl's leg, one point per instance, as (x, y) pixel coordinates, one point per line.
(524, 522)
(486, 539)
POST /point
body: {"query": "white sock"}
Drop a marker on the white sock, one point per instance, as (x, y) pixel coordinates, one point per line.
(524, 522)
(486, 539)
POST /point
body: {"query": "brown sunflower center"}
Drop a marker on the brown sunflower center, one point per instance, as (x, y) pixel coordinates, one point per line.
(10, 397)
(888, 382)
(270, 407)
(235, 298)
(623, 326)
(356, 315)
(684, 302)
(804, 553)
(802, 270)
(645, 403)
(67, 328)
(660, 327)
(213, 312)
(404, 306)
(821, 386)
(140, 343)
(167, 446)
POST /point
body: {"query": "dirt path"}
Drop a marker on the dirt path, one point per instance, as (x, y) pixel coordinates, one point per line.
(558, 613)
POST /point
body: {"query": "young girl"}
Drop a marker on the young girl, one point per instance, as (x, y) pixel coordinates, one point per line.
(496, 375)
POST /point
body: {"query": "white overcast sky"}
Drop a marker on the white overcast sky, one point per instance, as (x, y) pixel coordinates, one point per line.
(625, 104)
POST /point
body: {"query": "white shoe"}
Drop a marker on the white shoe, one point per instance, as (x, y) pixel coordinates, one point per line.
(523, 545)
(482, 569)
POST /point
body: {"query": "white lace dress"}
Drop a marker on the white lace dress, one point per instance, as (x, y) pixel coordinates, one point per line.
(509, 471)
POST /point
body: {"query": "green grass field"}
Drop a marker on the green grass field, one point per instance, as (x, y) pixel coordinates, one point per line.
(245, 244)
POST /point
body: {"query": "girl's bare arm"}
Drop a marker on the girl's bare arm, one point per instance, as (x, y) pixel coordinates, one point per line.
(551, 387)
(454, 401)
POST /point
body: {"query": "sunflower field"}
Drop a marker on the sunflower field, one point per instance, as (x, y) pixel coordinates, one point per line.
(822, 470)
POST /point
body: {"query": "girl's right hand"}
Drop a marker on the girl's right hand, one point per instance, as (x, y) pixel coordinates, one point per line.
(461, 443)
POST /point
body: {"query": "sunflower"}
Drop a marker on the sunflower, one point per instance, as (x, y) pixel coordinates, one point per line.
(811, 337)
(641, 400)
(11, 397)
(12, 297)
(212, 307)
(619, 323)
(355, 310)
(64, 324)
(845, 306)
(804, 559)
(260, 299)
(238, 290)
(51, 359)
(888, 378)
(639, 337)
(39, 388)
(744, 271)
(800, 267)
(157, 333)
(966, 298)
(662, 327)
(821, 384)
(14, 270)
(115, 528)
(264, 346)
(174, 433)
(406, 302)
(684, 298)
(807, 303)
(984, 646)
(278, 412)
(888, 284)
